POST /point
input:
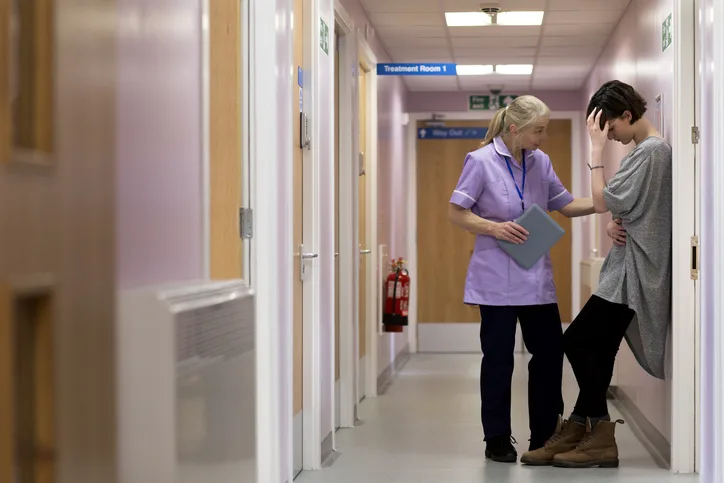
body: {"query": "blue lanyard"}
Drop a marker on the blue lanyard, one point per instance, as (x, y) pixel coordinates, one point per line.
(519, 190)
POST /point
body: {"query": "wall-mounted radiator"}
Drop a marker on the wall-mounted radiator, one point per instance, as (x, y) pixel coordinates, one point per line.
(187, 384)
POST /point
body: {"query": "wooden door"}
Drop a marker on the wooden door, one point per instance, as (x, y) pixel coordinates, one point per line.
(558, 147)
(298, 237)
(444, 251)
(225, 138)
(362, 219)
(27, 387)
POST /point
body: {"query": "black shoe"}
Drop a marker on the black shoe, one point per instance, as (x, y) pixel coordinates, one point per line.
(500, 449)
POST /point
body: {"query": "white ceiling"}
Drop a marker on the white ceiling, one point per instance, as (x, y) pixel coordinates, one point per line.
(563, 50)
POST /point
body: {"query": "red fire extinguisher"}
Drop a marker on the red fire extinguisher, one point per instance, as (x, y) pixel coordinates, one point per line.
(397, 297)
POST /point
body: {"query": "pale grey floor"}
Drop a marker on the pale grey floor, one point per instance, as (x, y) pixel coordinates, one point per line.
(426, 429)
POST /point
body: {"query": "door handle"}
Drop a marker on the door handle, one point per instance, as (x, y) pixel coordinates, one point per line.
(304, 256)
(365, 252)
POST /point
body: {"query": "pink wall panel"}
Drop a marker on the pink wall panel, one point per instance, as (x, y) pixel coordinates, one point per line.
(159, 188)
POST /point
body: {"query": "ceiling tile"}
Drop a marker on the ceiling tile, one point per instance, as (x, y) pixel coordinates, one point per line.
(404, 19)
(483, 52)
(570, 51)
(560, 71)
(495, 31)
(494, 59)
(417, 42)
(573, 41)
(603, 29)
(581, 17)
(418, 55)
(387, 6)
(588, 4)
(494, 42)
(403, 31)
(564, 61)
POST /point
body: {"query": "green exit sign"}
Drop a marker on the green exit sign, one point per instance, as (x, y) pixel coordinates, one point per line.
(667, 32)
(489, 103)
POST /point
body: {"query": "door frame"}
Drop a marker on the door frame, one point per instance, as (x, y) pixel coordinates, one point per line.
(577, 224)
(711, 402)
(712, 362)
(270, 142)
(369, 59)
(348, 268)
(311, 290)
(684, 290)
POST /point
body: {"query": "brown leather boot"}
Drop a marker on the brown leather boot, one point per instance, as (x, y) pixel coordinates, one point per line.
(567, 436)
(597, 449)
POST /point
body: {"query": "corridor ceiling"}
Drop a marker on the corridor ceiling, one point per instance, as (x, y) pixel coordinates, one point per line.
(562, 50)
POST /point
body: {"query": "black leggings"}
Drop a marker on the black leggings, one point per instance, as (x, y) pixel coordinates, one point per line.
(591, 344)
(543, 336)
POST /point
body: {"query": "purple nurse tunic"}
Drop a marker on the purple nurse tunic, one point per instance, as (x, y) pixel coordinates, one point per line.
(488, 189)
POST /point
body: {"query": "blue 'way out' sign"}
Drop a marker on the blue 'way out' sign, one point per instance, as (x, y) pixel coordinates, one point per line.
(417, 69)
(452, 133)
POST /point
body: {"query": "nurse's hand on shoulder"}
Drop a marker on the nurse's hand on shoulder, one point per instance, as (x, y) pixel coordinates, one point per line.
(511, 232)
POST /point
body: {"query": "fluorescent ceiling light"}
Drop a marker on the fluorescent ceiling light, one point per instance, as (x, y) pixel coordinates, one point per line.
(467, 19)
(474, 69)
(520, 18)
(479, 19)
(514, 69)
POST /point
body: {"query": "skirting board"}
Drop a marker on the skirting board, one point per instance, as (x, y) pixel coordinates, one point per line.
(652, 439)
(362, 378)
(337, 404)
(298, 443)
(328, 450)
(388, 375)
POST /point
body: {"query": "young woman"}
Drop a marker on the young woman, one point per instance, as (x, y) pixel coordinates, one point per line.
(633, 299)
(507, 174)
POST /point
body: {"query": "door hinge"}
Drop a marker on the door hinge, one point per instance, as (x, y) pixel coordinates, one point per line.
(694, 135)
(246, 223)
(695, 258)
(305, 140)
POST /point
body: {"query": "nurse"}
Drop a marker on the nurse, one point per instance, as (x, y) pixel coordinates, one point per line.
(507, 174)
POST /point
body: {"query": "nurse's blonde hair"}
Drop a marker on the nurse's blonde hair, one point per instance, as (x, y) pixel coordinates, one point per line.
(524, 112)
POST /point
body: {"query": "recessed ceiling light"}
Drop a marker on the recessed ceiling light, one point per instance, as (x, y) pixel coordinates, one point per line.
(474, 69)
(514, 69)
(520, 18)
(479, 19)
(467, 19)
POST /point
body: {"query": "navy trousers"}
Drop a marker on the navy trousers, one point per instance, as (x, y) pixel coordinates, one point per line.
(543, 337)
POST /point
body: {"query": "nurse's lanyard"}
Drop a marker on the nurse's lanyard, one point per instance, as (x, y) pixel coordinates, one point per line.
(519, 190)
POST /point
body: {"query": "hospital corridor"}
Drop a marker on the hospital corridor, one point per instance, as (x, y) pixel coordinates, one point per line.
(361, 241)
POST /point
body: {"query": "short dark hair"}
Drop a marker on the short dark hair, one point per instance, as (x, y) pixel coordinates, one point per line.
(615, 97)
